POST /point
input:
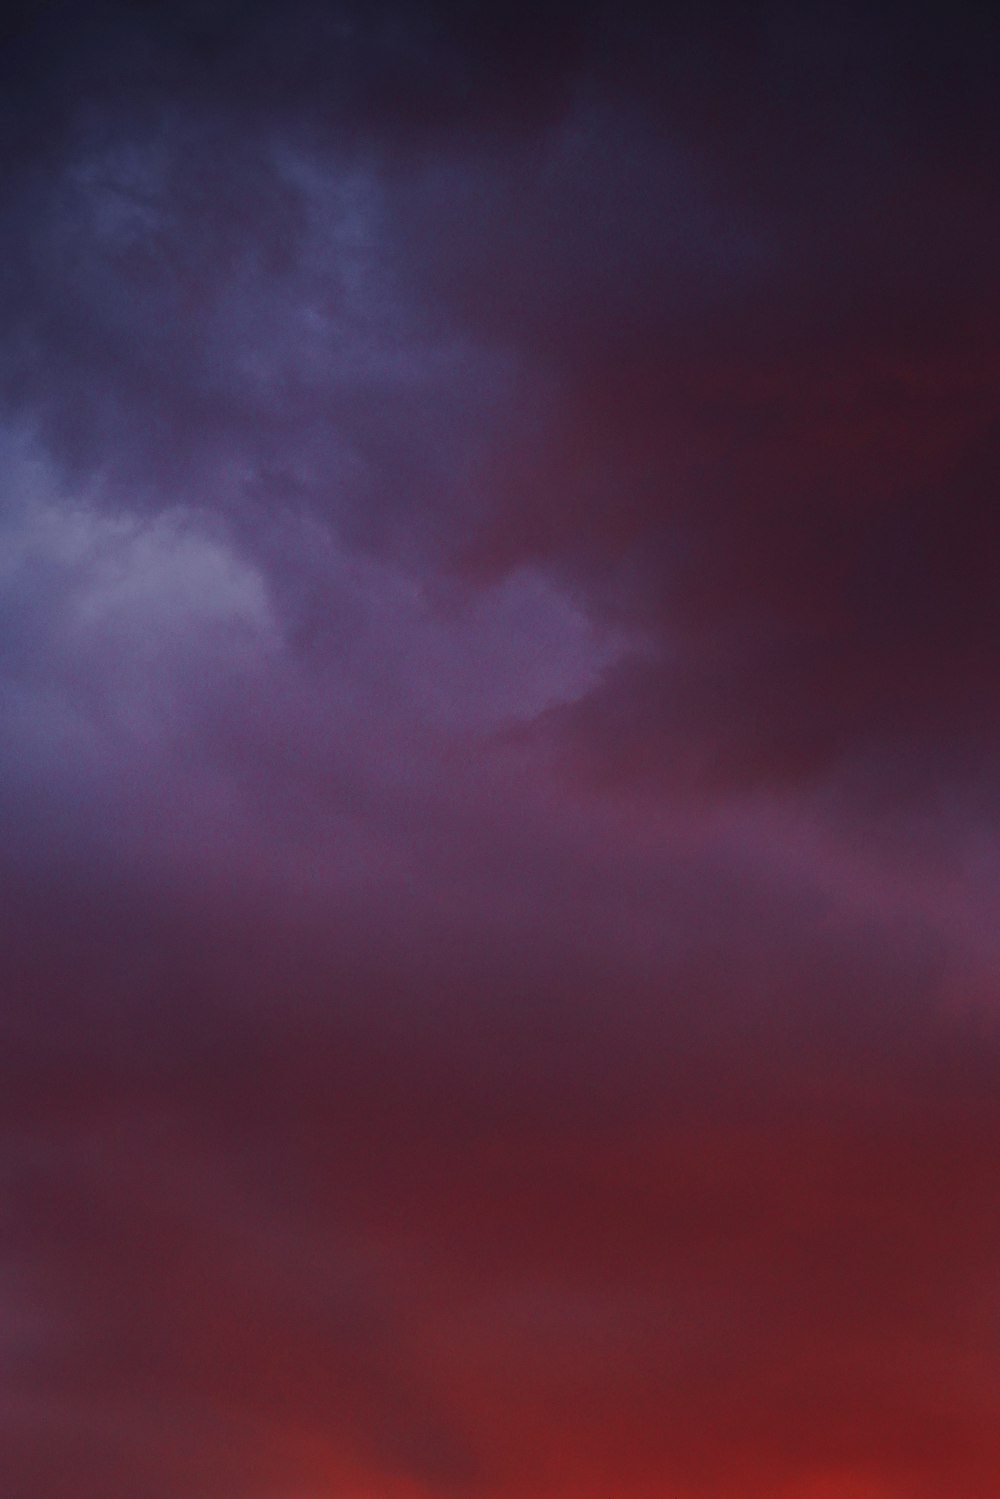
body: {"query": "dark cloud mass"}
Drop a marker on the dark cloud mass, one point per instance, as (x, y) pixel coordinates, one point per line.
(499, 635)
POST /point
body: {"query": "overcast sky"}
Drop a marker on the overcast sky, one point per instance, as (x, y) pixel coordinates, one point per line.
(499, 751)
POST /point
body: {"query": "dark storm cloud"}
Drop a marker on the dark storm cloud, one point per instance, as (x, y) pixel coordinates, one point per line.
(497, 516)
(705, 307)
(773, 410)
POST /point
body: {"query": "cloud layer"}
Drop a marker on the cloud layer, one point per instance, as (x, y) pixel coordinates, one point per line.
(498, 645)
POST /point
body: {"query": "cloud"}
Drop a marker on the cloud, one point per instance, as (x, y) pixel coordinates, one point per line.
(497, 644)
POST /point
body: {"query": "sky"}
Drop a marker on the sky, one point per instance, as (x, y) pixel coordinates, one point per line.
(499, 751)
